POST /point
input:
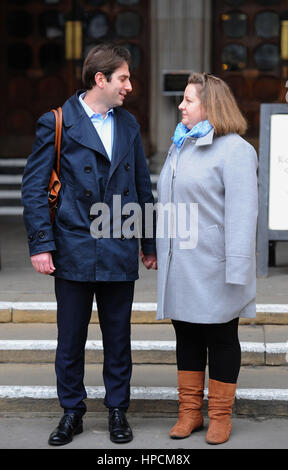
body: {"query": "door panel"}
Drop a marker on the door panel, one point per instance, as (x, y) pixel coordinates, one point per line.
(45, 43)
(247, 54)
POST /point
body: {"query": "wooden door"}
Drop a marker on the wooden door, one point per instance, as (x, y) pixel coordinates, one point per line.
(249, 55)
(44, 43)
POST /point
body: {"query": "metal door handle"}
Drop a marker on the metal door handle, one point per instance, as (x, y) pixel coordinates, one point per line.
(73, 40)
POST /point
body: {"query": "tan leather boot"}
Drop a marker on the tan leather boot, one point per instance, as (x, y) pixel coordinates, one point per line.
(190, 392)
(221, 397)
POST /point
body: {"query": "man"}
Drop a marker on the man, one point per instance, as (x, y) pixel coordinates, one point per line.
(101, 157)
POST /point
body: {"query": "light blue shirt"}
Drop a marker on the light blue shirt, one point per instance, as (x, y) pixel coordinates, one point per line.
(104, 126)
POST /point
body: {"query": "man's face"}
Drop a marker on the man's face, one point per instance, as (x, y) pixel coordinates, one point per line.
(117, 88)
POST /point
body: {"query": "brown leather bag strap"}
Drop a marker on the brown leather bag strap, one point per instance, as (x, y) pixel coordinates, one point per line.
(58, 135)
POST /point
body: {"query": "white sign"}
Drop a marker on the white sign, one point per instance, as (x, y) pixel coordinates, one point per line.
(278, 193)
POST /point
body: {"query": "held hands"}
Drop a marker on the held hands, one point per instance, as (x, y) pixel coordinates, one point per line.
(149, 261)
(43, 263)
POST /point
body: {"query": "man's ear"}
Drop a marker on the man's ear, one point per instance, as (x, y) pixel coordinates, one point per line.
(100, 80)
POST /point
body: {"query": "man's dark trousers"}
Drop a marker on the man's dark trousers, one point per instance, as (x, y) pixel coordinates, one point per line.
(114, 304)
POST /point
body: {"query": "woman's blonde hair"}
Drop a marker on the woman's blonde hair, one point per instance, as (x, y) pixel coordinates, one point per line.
(221, 107)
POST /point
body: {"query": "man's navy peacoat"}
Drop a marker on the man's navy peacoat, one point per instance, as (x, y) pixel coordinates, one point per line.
(87, 177)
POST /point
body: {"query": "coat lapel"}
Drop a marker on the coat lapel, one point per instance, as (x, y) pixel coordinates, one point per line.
(80, 127)
(124, 134)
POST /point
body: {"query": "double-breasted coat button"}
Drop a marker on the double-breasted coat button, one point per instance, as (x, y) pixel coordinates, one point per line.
(91, 217)
(30, 238)
(126, 192)
(122, 237)
(127, 166)
(41, 234)
(88, 169)
(88, 193)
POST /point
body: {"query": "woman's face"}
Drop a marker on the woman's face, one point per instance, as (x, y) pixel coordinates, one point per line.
(192, 109)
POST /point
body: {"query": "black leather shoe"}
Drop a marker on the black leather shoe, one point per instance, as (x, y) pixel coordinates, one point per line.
(119, 428)
(69, 425)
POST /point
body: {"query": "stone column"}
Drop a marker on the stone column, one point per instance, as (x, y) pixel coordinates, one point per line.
(180, 39)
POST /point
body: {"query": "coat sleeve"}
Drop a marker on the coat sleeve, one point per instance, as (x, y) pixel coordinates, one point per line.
(146, 199)
(35, 183)
(241, 210)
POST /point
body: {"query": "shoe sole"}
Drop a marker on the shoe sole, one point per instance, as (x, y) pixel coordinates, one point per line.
(211, 443)
(188, 435)
(121, 441)
(79, 430)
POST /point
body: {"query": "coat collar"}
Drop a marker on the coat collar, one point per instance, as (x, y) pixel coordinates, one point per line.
(80, 128)
(206, 140)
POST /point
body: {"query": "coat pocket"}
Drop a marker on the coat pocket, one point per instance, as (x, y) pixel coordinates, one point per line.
(66, 207)
(216, 239)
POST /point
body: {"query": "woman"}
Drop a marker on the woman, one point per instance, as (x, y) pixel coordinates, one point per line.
(206, 287)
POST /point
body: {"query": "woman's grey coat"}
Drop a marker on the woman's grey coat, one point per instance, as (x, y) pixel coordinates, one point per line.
(213, 280)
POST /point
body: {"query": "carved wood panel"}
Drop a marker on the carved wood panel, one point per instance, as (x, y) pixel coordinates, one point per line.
(36, 67)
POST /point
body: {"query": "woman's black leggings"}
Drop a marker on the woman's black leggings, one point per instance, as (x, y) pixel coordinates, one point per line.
(220, 341)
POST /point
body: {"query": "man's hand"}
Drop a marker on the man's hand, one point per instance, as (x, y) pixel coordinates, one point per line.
(149, 261)
(43, 263)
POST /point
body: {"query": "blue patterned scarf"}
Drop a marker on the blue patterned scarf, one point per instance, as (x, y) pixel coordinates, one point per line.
(182, 132)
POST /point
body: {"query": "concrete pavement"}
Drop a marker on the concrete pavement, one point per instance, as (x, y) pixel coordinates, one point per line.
(29, 431)
(19, 283)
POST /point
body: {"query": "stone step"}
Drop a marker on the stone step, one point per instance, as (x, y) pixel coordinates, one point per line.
(261, 391)
(10, 194)
(11, 210)
(143, 352)
(12, 162)
(155, 343)
(9, 205)
(10, 187)
(10, 199)
(143, 312)
(10, 179)
(11, 171)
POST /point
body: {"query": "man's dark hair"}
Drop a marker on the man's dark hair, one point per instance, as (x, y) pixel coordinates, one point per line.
(105, 58)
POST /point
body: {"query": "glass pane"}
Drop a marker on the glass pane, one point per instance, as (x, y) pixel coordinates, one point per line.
(20, 56)
(51, 24)
(128, 24)
(234, 57)
(52, 2)
(234, 24)
(128, 2)
(267, 24)
(268, 2)
(267, 57)
(235, 3)
(97, 26)
(51, 56)
(19, 24)
(87, 48)
(19, 2)
(96, 3)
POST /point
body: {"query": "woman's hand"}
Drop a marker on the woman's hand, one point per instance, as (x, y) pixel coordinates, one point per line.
(149, 261)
